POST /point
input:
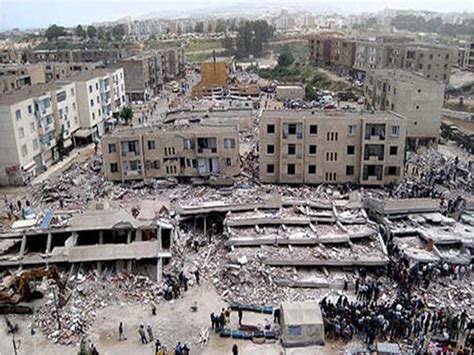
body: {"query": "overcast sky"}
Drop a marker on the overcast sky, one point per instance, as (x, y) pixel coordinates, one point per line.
(41, 13)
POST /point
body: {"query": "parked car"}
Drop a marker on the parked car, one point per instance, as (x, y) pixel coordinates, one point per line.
(326, 99)
(330, 106)
(346, 96)
(361, 100)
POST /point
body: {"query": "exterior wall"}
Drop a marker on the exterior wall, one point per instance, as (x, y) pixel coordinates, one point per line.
(343, 52)
(320, 49)
(433, 63)
(213, 73)
(62, 71)
(88, 100)
(137, 77)
(65, 113)
(169, 155)
(105, 56)
(15, 77)
(332, 152)
(469, 55)
(418, 99)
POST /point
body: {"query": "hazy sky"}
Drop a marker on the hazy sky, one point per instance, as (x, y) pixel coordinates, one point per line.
(41, 13)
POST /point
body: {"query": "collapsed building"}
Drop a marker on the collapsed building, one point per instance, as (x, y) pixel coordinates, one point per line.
(98, 238)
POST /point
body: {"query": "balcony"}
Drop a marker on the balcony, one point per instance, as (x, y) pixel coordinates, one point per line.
(292, 156)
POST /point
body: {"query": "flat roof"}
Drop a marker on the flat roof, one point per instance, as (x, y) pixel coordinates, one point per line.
(31, 91)
(300, 114)
(94, 73)
(403, 76)
(188, 128)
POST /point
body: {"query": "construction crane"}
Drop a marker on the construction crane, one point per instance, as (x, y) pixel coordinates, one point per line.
(16, 288)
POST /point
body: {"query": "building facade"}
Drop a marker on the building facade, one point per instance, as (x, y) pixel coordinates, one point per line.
(103, 56)
(469, 55)
(63, 71)
(33, 120)
(413, 96)
(195, 151)
(319, 147)
(101, 95)
(15, 76)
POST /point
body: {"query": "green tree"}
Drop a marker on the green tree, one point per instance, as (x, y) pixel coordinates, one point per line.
(199, 27)
(229, 44)
(80, 31)
(118, 31)
(54, 31)
(251, 38)
(126, 115)
(221, 26)
(91, 32)
(310, 93)
(285, 59)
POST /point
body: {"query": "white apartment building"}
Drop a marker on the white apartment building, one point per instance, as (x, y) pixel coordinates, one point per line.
(29, 121)
(101, 95)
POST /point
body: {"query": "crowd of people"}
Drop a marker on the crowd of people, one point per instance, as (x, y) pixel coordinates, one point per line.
(405, 316)
(172, 286)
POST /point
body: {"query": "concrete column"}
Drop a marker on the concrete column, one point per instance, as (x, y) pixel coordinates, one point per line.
(205, 224)
(159, 269)
(129, 265)
(48, 243)
(101, 241)
(139, 235)
(160, 245)
(23, 245)
(129, 236)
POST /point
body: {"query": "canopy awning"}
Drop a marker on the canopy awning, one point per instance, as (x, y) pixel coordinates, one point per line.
(83, 133)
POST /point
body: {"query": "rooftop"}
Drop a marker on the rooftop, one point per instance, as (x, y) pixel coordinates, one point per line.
(303, 114)
(28, 92)
(94, 73)
(403, 76)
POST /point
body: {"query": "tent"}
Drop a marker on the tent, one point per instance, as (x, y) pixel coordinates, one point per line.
(301, 324)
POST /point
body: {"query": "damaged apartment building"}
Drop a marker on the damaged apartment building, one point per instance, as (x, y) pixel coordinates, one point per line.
(315, 147)
(410, 94)
(197, 151)
(96, 238)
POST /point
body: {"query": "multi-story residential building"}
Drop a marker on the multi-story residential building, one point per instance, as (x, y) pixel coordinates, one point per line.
(469, 55)
(32, 121)
(343, 55)
(412, 95)
(434, 62)
(320, 49)
(15, 76)
(143, 76)
(100, 95)
(8, 55)
(370, 55)
(63, 71)
(104, 56)
(191, 151)
(338, 147)
(174, 62)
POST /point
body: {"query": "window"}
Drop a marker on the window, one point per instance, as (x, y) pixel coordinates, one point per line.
(228, 162)
(352, 130)
(270, 149)
(90, 88)
(151, 145)
(271, 129)
(291, 149)
(312, 149)
(35, 144)
(30, 109)
(350, 170)
(60, 97)
(92, 102)
(97, 99)
(393, 150)
(290, 169)
(18, 115)
(97, 86)
(188, 144)
(112, 148)
(311, 169)
(229, 143)
(313, 129)
(350, 150)
(392, 171)
(93, 115)
(21, 132)
(72, 92)
(394, 130)
(32, 127)
(74, 106)
(113, 167)
(24, 150)
(270, 169)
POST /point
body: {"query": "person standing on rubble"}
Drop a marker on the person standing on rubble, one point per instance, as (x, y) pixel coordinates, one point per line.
(150, 332)
(121, 333)
(197, 275)
(141, 332)
(235, 350)
(153, 308)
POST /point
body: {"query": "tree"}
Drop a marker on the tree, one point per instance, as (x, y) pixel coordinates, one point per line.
(91, 32)
(80, 32)
(229, 45)
(251, 37)
(54, 31)
(221, 26)
(199, 27)
(126, 114)
(285, 59)
(118, 31)
(311, 93)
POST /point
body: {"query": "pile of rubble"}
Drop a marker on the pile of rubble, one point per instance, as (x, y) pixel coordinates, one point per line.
(68, 324)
